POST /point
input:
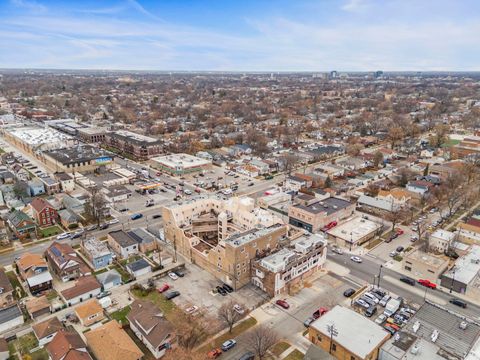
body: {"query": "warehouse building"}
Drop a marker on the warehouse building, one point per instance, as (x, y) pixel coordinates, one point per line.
(179, 164)
(80, 158)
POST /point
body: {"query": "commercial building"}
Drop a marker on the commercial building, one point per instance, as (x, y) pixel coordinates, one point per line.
(179, 164)
(92, 134)
(137, 146)
(354, 232)
(463, 277)
(423, 265)
(355, 336)
(285, 270)
(80, 158)
(312, 214)
(223, 236)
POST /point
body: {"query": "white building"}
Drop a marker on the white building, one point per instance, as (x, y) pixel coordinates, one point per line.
(441, 240)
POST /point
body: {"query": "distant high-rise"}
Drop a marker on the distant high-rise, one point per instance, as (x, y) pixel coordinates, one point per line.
(333, 74)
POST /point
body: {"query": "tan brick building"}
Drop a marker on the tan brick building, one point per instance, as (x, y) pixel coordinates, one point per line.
(223, 237)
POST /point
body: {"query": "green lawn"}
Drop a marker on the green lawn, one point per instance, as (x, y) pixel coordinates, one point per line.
(398, 258)
(105, 269)
(27, 342)
(121, 315)
(124, 274)
(52, 294)
(167, 306)
(16, 284)
(41, 354)
(280, 347)
(50, 231)
(237, 330)
(295, 355)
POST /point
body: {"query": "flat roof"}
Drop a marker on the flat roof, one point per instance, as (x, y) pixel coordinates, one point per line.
(466, 267)
(37, 136)
(242, 238)
(355, 332)
(354, 229)
(426, 258)
(181, 160)
(329, 205)
(130, 136)
(79, 153)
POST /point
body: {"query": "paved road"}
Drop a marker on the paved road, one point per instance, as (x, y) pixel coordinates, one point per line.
(369, 270)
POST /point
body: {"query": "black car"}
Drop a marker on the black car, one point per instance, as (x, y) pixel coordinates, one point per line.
(123, 209)
(221, 290)
(458, 302)
(156, 216)
(379, 293)
(370, 311)
(400, 249)
(407, 280)
(179, 273)
(104, 226)
(349, 292)
(171, 294)
(227, 288)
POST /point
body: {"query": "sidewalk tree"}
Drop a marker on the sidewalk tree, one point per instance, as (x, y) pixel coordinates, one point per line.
(377, 158)
(228, 314)
(260, 340)
(395, 134)
(95, 206)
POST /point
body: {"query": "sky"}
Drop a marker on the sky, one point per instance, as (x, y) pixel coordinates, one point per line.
(242, 35)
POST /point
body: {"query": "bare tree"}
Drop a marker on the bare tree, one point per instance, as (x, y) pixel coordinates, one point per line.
(261, 339)
(184, 354)
(395, 134)
(396, 215)
(228, 314)
(289, 161)
(95, 206)
(454, 192)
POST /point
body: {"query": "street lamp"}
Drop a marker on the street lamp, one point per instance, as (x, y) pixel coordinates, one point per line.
(379, 274)
(351, 240)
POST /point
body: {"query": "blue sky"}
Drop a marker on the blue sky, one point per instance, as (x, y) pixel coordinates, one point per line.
(243, 35)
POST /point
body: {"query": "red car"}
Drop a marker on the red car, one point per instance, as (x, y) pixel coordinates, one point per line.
(163, 288)
(283, 304)
(399, 231)
(329, 226)
(213, 354)
(427, 283)
(320, 312)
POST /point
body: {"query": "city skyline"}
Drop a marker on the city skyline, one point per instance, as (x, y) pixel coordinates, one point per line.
(258, 36)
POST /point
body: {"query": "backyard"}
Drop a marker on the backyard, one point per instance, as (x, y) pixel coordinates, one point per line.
(121, 315)
(19, 293)
(28, 342)
(49, 231)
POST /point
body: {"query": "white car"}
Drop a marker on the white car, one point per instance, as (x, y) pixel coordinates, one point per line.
(337, 250)
(362, 303)
(173, 276)
(187, 192)
(393, 254)
(63, 236)
(191, 309)
(381, 319)
(238, 309)
(114, 221)
(356, 259)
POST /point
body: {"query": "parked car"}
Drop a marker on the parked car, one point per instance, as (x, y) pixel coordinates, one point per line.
(458, 302)
(400, 249)
(384, 300)
(247, 356)
(227, 288)
(136, 216)
(320, 312)
(172, 275)
(379, 293)
(213, 354)
(362, 303)
(171, 294)
(163, 288)
(104, 294)
(63, 236)
(282, 303)
(103, 226)
(427, 283)
(187, 192)
(238, 309)
(399, 231)
(191, 309)
(371, 296)
(372, 310)
(221, 290)
(114, 221)
(407, 280)
(91, 227)
(156, 216)
(356, 259)
(337, 250)
(308, 321)
(179, 273)
(381, 319)
(393, 254)
(349, 292)
(227, 345)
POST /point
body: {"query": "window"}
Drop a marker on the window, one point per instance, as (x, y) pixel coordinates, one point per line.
(352, 357)
(334, 347)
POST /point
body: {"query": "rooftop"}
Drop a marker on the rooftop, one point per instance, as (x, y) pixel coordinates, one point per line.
(79, 153)
(329, 205)
(95, 247)
(35, 136)
(354, 229)
(347, 323)
(466, 267)
(181, 160)
(239, 239)
(130, 136)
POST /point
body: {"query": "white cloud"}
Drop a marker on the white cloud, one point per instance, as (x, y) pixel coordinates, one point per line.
(29, 5)
(355, 6)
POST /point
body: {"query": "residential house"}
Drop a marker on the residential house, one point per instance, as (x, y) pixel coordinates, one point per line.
(67, 182)
(139, 268)
(90, 312)
(36, 187)
(51, 186)
(146, 242)
(6, 290)
(46, 330)
(122, 243)
(65, 262)
(43, 212)
(296, 182)
(33, 269)
(263, 167)
(109, 341)
(469, 231)
(368, 336)
(377, 205)
(109, 279)
(151, 327)
(7, 177)
(440, 240)
(68, 218)
(10, 317)
(419, 187)
(37, 306)
(20, 223)
(398, 196)
(86, 287)
(97, 252)
(67, 345)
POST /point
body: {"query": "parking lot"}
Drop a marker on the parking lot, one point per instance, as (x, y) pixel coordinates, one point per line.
(196, 288)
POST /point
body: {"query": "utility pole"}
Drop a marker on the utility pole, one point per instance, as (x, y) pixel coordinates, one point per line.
(379, 275)
(332, 330)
